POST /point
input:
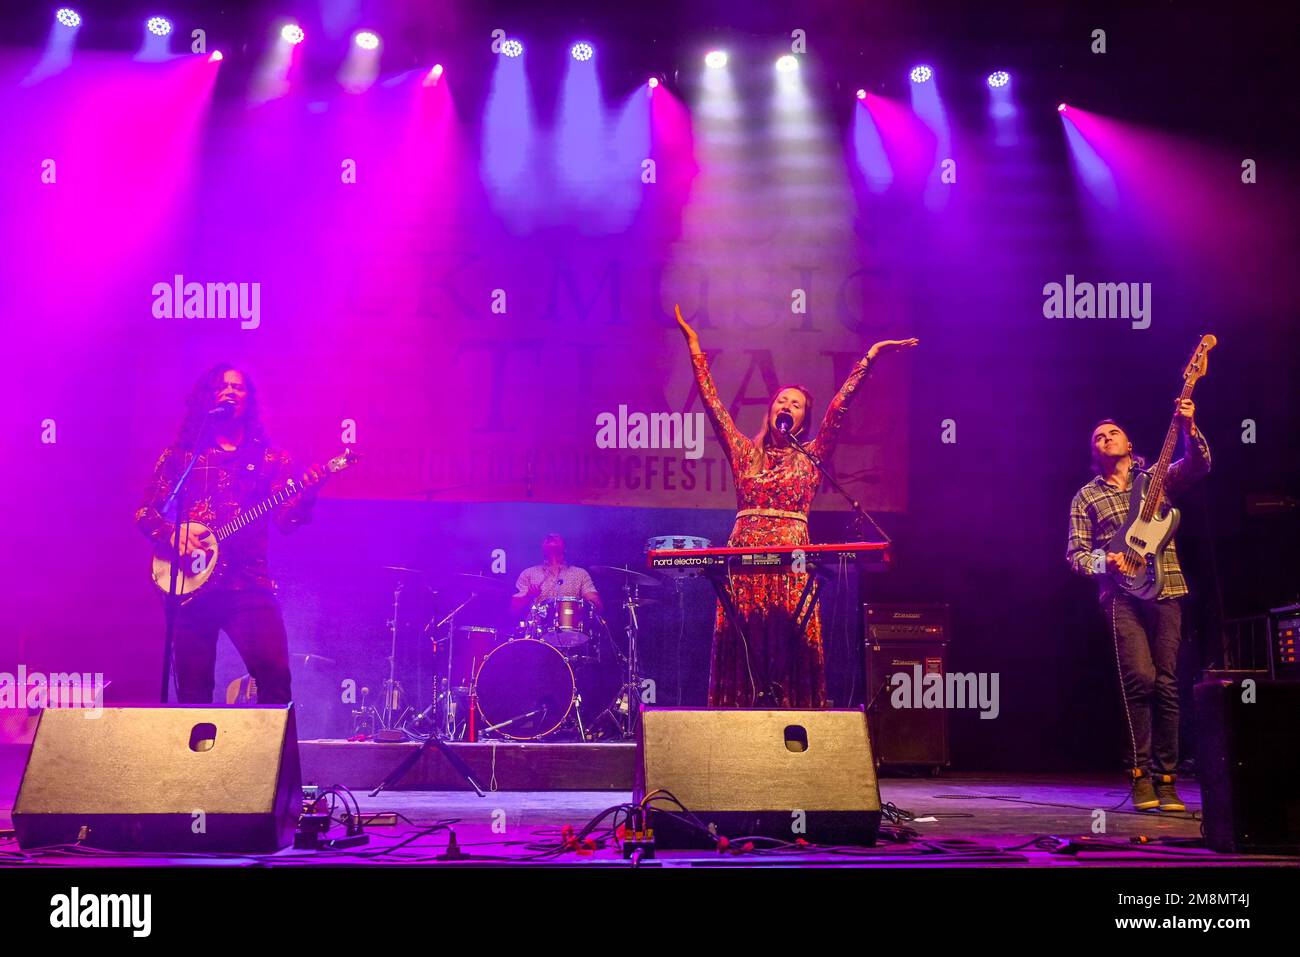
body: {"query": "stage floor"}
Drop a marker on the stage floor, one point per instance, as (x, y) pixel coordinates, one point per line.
(957, 820)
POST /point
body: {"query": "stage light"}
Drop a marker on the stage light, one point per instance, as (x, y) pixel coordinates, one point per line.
(512, 48)
(436, 72)
(653, 82)
(216, 56)
(292, 34)
(367, 40)
(862, 94)
(921, 73)
(582, 52)
(998, 78)
(1060, 108)
(68, 17)
(159, 26)
(787, 64)
(717, 59)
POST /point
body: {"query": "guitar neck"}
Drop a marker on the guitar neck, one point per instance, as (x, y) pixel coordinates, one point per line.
(247, 518)
(1156, 490)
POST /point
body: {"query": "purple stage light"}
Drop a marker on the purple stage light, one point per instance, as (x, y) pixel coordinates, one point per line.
(292, 34)
(1060, 108)
(216, 57)
(367, 40)
(436, 72)
(921, 73)
(653, 82)
(787, 64)
(998, 78)
(68, 17)
(862, 94)
(582, 52)
(159, 26)
(512, 48)
(716, 59)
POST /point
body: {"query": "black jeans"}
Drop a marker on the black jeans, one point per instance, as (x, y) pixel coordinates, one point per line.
(252, 620)
(1146, 636)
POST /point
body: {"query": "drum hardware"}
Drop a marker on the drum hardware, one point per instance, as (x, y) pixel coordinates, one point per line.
(483, 582)
(445, 716)
(627, 706)
(641, 578)
(365, 719)
(527, 689)
(395, 711)
(565, 622)
(392, 691)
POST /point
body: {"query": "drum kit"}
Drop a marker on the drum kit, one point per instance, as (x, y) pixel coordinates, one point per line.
(557, 674)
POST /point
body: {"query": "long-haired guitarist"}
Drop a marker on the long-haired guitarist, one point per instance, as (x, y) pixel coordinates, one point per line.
(1146, 631)
(236, 467)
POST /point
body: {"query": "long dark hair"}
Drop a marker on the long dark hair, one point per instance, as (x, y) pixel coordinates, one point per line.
(204, 394)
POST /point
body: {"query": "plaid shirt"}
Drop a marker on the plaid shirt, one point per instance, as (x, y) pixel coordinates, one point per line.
(1099, 510)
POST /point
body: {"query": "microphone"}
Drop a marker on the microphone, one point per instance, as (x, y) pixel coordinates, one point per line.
(784, 422)
(224, 407)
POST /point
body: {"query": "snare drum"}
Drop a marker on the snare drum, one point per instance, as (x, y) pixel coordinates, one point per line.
(565, 622)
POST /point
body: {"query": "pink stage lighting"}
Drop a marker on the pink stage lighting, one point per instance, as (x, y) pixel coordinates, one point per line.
(292, 34)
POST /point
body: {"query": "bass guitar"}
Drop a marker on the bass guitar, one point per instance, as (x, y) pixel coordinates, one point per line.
(1151, 521)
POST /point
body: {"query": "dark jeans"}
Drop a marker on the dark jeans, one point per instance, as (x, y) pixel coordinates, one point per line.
(252, 620)
(1146, 635)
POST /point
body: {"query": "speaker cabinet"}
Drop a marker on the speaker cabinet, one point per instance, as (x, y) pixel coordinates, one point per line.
(1248, 765)
(181, 779)
(744, 772)
(906, 737)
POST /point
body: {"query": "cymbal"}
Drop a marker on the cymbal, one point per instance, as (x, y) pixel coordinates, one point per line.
(484, 582)
(404, 570)
(641, 578)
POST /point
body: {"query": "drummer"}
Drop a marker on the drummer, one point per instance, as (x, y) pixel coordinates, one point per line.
(554, 578)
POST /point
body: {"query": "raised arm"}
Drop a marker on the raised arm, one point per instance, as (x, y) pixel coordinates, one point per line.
(824, 443)
(739, 447)
(1196, 452)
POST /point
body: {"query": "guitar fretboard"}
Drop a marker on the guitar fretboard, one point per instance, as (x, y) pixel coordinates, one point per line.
(244, 519)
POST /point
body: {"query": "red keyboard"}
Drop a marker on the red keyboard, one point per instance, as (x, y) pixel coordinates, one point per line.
(871, 556)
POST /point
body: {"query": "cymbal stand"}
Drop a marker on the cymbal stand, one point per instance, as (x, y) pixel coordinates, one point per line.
(445, 720)
(391, 716)
(632, 687)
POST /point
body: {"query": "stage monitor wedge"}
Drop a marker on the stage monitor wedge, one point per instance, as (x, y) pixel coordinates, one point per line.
(784, 774)
(173, 779)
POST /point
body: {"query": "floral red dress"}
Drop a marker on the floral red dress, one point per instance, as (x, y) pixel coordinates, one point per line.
(777, 666)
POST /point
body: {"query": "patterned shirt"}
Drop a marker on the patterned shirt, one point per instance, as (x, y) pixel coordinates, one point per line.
(1099, 511)
(567, 581)
(222, 484)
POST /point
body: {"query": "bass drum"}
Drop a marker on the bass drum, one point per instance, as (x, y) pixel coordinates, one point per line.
(526, 689)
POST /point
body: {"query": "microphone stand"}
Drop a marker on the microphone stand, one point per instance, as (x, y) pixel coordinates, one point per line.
(860, 514)
(172, 605)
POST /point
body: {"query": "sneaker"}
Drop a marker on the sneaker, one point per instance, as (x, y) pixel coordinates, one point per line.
(1166, 794)
(1144, 793)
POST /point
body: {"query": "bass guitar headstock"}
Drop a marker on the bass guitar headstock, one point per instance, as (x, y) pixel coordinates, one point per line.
(1198, 365)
